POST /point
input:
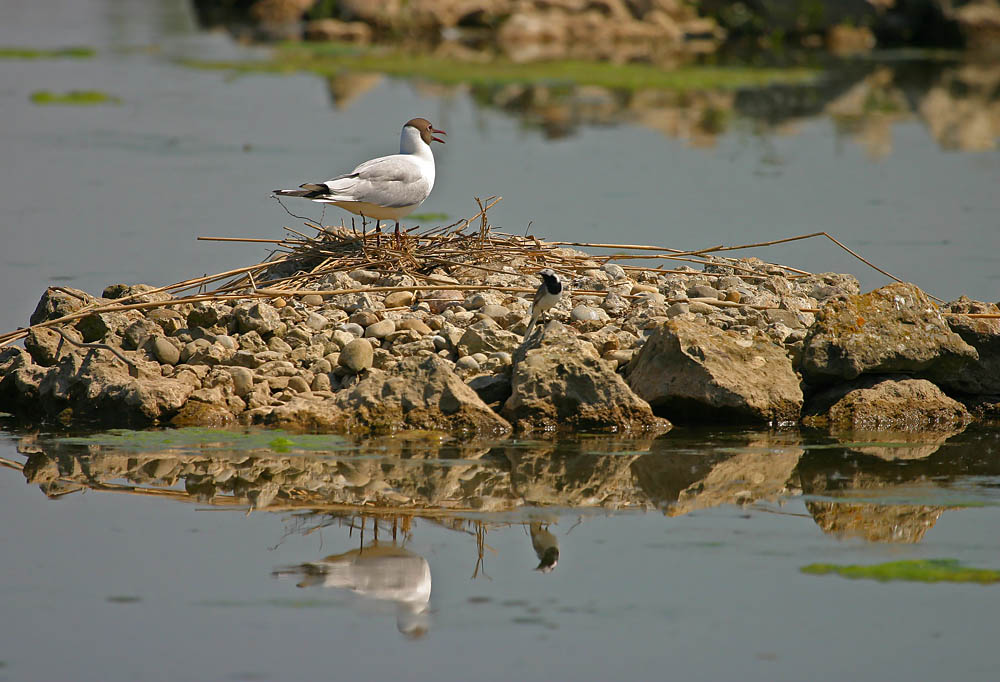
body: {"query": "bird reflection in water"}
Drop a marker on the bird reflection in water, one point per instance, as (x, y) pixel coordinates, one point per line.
(546, 546)
(379, 571)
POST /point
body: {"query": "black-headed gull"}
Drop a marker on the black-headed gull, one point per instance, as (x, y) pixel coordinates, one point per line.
(547, 296)
(386, 188)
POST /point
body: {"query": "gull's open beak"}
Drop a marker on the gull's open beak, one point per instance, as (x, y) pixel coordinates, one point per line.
(437, 139)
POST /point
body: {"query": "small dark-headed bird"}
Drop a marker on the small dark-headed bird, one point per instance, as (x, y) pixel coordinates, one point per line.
(547, 296)
(386, 188)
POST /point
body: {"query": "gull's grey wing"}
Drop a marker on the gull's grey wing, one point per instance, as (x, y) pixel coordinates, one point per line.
(391, 181)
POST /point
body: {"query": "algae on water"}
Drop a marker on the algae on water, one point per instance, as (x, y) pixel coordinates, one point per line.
(329, 59)
(73, 98)
(56, 53)
(917, 570)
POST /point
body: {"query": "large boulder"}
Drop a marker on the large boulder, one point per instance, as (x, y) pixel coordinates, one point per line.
(419, 393)
(699, 372)
(559, 382)
(883, 403)
(983, 334)
(895, 329)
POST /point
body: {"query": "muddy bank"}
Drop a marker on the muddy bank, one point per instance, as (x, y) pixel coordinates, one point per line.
(625, 350)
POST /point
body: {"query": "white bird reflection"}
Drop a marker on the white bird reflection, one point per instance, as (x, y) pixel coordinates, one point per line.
(384, 572)
(546, 546)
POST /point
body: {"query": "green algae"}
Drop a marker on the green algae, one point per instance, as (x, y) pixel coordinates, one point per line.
(57, 53)
(917, 570)
(332, 59)
(73, 98)
(205, 439)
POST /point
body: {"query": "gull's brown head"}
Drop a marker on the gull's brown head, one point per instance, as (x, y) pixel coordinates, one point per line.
(426, 130)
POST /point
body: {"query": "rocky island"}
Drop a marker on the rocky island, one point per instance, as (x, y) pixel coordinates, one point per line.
(352, 333)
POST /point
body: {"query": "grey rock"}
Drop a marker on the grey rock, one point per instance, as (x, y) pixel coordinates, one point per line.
(55, 304)
(312, 300)
(259, 317)
(140, 331)
(356, 356)
(93, 328)
(165, 352)
(364, 318)
(278, 345)
(399, 299)
(47, 346)
(583, 313)
(696, 372)
(678, 309)
(616, 271)
(491, 388)
(355, 330)
(316, 322)
(242, 380)
(365, 276)
(890, 330)
(203, 315)
(420, 393)
(614, 305)
(559, 382)
(380, 330)
(413, 324)
(467, 364)
(702, 291)
(981, 377)
(298, 384)
(884, 403)
(480, 340)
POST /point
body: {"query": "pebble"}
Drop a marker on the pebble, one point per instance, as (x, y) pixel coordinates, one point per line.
(678, 309)
(380, 330)
(702, 308)
(467, 364)
(414, 324)
(298, 384)
(733, 296)
(242, 380)
(278, 345)
(399, 299)
(364, 318)
(365, 276)
(312, 299)
(702, 291)
(494, 311)
(357, 355)
(166, 353)
(316, 321)
(321, 382)
(616, 271)
(353, 328)
(582, 313)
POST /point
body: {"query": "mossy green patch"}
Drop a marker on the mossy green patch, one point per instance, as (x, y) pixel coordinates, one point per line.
(918, 570)
(428, 217)
(204, 439)
(57, 53)
(331, 59)
(73, 98)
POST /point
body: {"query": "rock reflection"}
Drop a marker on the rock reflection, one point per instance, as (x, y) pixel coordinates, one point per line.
(883, 487)
(957, 101)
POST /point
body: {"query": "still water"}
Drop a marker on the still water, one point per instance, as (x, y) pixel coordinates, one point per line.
(679, 557)
(211, 556)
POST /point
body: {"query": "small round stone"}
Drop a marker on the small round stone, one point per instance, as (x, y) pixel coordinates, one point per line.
(468, 363)
(166, 352)
(312, 299)
(413, 324)
(399, 299)
(353, 328)
(357, 355)
(380, 330)
(364, 318)
(298, 384)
